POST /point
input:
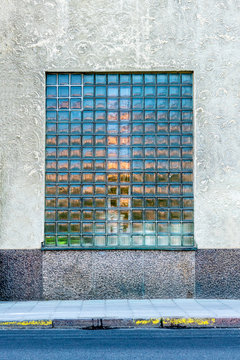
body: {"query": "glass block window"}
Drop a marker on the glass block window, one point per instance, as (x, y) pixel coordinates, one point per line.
(119, 161)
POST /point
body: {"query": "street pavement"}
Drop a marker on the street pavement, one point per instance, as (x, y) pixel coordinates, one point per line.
(144, 344)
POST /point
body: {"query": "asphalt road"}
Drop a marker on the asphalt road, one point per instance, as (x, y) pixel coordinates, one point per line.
(214, 344)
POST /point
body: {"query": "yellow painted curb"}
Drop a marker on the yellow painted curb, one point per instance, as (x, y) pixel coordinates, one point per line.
(188, 322)
(27, 323)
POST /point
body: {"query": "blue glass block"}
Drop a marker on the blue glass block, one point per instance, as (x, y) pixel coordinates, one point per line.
(88, 103)
(150, 103)
(51, 128)
(150, 78)
(100, 103)
(51, 103)
(187, 104)
(63, 128)
(125, 91)
(149, 90)
(88, 79)
(125, 79)
(63, 79)
(63, 103)
(187, 79)
(137, 79)
(137, 103)
(100, 128)
(175, 140)
(76, 103)
(63, 115)
(112, 78)
(88, 91)
(174, 91)
(186, 91)
(76, 79)
(187, 116)
(112, 91)
(100, 115)
(137, 91)
(125, 104)
(187, 140)
(162, 103)
(162, 78)
(137, 115)
(150, 128)
(112, 104)
(150, 115)
(51, 79)
(162, 116)
(76, 91)
(100, 91)
(162, 91)
(137, 164)
(51, 91)
(88, 116)
(175, 116)
(174, 78)
(75, 128)
(63, 91)
(100, 79)
(174, 103)
(76, 116)
(51, 115)
(162, 140)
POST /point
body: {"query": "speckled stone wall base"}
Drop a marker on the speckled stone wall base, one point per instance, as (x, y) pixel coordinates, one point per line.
(118, 274)
(217, 273)
(36, 275)
(20, 275)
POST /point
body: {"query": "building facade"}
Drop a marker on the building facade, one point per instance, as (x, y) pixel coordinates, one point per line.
(119, 130)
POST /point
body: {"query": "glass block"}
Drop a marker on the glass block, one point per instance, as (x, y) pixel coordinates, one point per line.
(112, 240)
(62, 215)
(162, 202)
(75, 227)
(186, 91)
(162, 214)
(100, 240)
(76, 91)
(187, 228)
(150, 103)
(150, 240)
(162, 228)
(162, 91)
(50, 227)
(62, 227)
(87, 240)
(75, 240)
(124, 227)
(125, 79)
(100, 78)
(137, 103)
(187, 215)
(112, 116)
(137, 79)
(188, 241)
(88, 79)
(137, 215)
(87, 202)
(75, 215)
(87, 227)
(112, 177)
(188, 202)
(162, 240)
(51, 103)
(137, 91)
(63, 91)
(100, 103)
(150, 202)
(62, 240)
(100, 202)
(76, 79)
(112, 91)
(162, 103)
(112, 190)
(51, 79)
(149, 228)
(149, 91)
(87, 215)
(75, 103)
(75, 203)
(51, 92)
(174, 103)
(100, 215)
(175, 240)
(138, 240)
(187, 79)
(149, 215)
(137, 202)
(124, 240)
(51, 115)
(63, 79)
(50, 240)
(112, 227)
(137, 227)
(112, 78)
(124, 215)
(137, 164)
(187, 104)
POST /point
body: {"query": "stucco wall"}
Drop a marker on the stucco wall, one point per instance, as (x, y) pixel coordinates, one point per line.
(125, 35)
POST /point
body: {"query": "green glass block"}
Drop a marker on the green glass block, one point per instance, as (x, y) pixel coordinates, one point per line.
(75, 240)
(188, 241)
(62, 240)
(50, 240)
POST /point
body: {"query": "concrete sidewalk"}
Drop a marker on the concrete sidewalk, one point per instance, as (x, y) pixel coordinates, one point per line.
(121, 313)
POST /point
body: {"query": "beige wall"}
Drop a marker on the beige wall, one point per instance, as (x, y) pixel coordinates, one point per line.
(125, 35)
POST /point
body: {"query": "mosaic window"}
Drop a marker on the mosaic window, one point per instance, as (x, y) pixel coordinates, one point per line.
(119, 161)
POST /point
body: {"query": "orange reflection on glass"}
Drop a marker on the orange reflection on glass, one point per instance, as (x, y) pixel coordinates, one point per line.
(112, 140)
(112, 165)
(124, 202)
(124, 115)
(124, 140)
(125, 165)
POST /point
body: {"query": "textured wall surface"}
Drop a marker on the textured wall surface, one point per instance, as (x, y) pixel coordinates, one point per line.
(21, 275)
(118, 274)
(126, 35)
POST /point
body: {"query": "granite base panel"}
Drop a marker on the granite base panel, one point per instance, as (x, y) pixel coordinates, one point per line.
(20, 275)
(135, 274)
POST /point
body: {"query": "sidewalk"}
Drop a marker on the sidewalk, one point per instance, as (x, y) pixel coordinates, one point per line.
(94, 314)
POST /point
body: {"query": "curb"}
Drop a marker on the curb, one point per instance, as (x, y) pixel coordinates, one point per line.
(101, 323)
